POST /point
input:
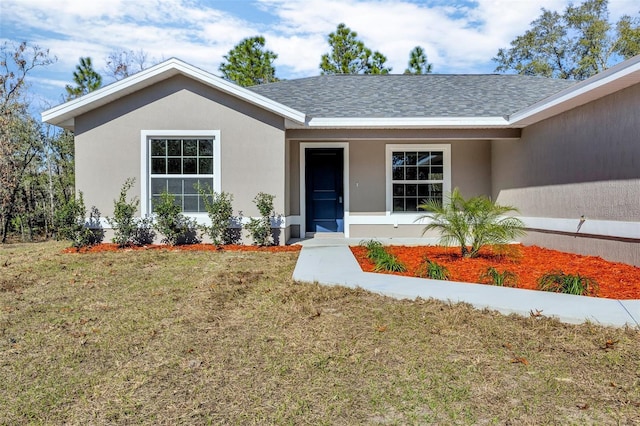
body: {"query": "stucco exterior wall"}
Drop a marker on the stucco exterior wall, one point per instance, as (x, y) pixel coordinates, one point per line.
(585, 162)
(108, 142)
(470, 171)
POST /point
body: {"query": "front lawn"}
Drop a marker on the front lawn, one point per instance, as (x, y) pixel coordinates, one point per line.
(219, 337)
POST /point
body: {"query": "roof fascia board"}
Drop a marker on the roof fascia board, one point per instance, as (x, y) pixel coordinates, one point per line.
(408, 122)
(618, 77)
(64, 112)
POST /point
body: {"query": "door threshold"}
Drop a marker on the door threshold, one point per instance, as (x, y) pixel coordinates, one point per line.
(324, 235)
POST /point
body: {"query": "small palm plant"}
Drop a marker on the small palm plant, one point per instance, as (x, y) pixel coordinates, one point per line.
(476, 222)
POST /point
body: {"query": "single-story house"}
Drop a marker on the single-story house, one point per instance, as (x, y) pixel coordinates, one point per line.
(356, 154)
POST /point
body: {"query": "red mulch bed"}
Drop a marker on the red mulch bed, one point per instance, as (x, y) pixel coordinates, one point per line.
(616, 280)
(101, 248)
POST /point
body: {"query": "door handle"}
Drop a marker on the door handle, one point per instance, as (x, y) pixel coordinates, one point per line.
(340, 199)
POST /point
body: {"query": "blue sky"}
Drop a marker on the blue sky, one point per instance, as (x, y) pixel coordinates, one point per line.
(458, 36)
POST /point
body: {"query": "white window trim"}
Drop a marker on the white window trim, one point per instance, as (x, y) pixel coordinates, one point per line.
(145, 155)
(446, 163)
(303, 174)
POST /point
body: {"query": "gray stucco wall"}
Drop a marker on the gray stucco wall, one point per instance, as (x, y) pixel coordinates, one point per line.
(107, 141)
(585, 162)
(470, 164)
(470, 171)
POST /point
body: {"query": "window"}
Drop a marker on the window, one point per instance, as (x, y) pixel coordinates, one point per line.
(178, 164)
(416, 174)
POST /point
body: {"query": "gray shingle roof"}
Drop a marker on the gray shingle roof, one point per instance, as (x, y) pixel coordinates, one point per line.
(393, 96)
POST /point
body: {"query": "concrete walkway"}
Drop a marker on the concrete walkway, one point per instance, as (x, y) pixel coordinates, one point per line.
(329, 261)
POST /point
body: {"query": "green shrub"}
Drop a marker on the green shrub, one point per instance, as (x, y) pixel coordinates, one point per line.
(384, 261)
(432, 270)
(260, 229)
(476, 221)
(375, 249)
(220, 210)
(70, 221)
(559, 282)
(144, 233)
(123, 222)
(172, 224)
(389, 262)
(501, 279)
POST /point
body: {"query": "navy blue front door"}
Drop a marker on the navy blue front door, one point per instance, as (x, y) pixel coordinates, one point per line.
(324, 190)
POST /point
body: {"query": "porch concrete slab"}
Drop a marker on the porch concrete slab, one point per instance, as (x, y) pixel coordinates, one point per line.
(329, 241)
(336, 265)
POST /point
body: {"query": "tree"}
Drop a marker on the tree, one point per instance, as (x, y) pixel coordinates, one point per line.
(629, 31)
(350, 56)
(575, 45)
(20, 135)
(418, 63)
(85, 78)
(123, 63)
(476, 221)
(249, 64)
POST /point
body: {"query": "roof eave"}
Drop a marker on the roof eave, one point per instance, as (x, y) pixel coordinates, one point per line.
(63, 115)
(407, 123)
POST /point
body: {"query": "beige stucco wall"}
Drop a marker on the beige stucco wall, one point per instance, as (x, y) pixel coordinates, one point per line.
(470, 164)
(107, 142)
(585, 162)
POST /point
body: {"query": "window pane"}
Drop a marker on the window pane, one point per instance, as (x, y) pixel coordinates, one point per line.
(206, 183)
(436, 158)
(190, 166)
(158, 186)
(154, 202)
(190, 203)
(158, 147)
(397, 159)
(190, 147)
(177, 157)
(411, 173)
(206, 166)
(205, 148)
(398, 173)
(436, 173)
(190, 186)
(174, 186)
(174, 147)
(423, 173)
(411, 158)
(158, 166)
(417, 167)
(174, 166)
(437, 200)
(424, 158)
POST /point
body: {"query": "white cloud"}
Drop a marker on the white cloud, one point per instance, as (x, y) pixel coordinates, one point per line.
(458, 36)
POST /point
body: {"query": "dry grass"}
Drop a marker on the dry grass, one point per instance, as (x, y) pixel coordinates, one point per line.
(228, 338)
